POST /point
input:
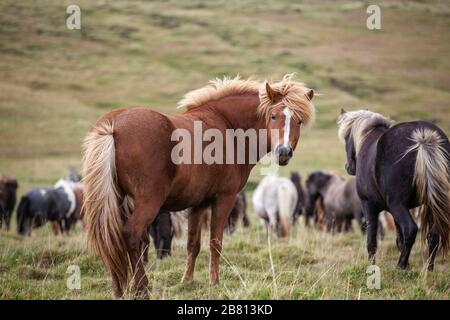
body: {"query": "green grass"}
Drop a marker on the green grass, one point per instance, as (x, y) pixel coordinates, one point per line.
(55, 82)
(307, 265)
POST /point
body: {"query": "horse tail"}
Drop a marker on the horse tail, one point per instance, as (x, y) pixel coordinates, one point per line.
(284, 209)
(432, 180)
(390, 221)
(101, 202)
(22, 210)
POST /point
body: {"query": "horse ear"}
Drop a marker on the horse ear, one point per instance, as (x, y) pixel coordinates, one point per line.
(310, 94)
(343, 111)
(270, 92)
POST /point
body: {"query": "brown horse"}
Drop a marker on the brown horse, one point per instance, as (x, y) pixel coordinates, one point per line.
(128, 153)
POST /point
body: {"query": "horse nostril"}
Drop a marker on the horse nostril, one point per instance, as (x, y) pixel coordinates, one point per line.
(289, 154)
(278, 150)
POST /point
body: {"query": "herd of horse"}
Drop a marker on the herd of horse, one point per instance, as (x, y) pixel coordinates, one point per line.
(132, 191)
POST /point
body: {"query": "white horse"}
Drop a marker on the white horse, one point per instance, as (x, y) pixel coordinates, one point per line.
(274, 200)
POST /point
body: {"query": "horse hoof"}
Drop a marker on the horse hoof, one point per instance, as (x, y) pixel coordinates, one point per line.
(402, 266)
(187, 279)
(430, 267)
(142, 295)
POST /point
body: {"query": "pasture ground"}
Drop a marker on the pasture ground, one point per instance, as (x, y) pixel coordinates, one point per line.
(55, 82)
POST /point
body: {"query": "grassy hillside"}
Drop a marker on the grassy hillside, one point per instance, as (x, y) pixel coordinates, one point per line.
(55, 82)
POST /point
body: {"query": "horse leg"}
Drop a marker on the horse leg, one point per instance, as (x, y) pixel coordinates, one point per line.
(408, 229)
(145, 242)
(272, 224)
(361, 221)
(55, 227)
(306, 219)
(118, 292)
(329, 223)
(433, 243)
(8, 220)
(245, 219)
(349, 224)
(371, 213)
(399, 240)
(61, 227)
(143, 215)
(220, 211)
(337, 225)
(265, 225)
(195, 224)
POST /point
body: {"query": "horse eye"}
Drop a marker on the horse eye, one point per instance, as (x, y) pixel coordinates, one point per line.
(274, 117)
(300, 123)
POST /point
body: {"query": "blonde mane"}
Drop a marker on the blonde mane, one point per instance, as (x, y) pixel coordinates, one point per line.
(359, 124)
(293, 96)
(217, 89)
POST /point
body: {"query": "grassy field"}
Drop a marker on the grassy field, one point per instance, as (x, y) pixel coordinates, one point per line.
(55, 82)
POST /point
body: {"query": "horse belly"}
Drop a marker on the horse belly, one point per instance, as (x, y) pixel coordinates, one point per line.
(193, 185)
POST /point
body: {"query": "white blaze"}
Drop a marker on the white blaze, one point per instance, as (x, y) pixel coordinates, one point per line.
(287, 126)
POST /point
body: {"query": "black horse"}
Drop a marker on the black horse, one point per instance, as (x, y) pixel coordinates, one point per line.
(399, 168)
(163, 229)
(8, 190)
(301, 201)
(31, 211)
(60, 205)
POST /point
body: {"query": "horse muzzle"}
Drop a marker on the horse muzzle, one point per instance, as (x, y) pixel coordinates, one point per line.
(351, 170)
(283, 154)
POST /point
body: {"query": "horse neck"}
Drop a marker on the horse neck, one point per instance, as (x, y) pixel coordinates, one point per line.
(371, 139)
(238, 112)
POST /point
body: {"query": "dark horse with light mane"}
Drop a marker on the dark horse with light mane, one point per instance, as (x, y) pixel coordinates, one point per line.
(399, 168)
(127, 154)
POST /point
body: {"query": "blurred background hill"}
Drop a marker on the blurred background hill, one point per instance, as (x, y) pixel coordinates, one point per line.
(55, 82)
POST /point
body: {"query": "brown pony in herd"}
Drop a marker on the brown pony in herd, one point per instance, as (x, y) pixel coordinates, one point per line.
(127, 154)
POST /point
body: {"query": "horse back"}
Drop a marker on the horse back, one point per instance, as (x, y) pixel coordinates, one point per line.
(143, 151)
(338, 196)
(395, 166)
(141, 140)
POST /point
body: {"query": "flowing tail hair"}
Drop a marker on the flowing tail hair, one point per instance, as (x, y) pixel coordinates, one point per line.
(284, 210)
(102, 202)
(432, 180)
